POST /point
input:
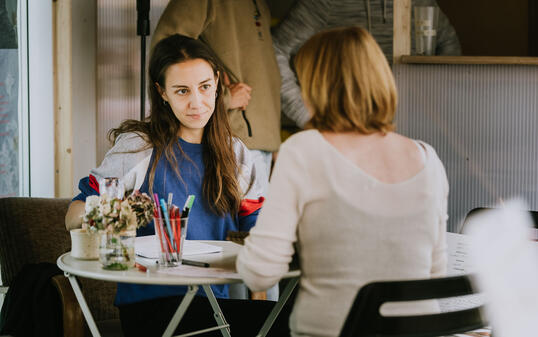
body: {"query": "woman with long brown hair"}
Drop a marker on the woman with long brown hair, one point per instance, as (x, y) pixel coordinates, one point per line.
(184, 147)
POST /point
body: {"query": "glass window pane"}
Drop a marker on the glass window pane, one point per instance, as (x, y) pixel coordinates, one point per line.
(9, 97)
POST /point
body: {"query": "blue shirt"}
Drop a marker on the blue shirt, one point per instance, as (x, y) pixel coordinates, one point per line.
(203, 223)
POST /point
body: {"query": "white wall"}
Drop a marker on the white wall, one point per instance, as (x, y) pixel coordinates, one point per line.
(40, 98)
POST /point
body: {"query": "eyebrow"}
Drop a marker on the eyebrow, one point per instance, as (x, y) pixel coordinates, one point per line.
(186, 86)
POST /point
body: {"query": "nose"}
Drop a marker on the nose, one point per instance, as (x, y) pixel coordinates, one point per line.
(195, 100)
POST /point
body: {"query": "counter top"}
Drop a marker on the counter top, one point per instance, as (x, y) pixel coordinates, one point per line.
(519, 60)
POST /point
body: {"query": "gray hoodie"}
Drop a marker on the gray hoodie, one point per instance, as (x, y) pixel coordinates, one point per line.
(308, 17)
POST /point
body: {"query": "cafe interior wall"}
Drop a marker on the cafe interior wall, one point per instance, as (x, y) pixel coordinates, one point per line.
(494, 27)
(118, 65)
(481, 119)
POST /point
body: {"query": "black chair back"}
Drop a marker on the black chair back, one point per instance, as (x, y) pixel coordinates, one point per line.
(365, 320)
(475, 211)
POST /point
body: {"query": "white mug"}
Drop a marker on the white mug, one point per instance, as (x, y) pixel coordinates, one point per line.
(84, 246)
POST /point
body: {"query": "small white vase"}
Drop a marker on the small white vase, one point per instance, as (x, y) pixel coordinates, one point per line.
(84, 245)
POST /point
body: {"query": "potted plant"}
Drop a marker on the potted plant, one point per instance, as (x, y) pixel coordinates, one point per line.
(116, 221)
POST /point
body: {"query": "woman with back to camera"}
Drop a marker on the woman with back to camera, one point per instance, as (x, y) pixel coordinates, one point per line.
(184, 147)
(357, 201)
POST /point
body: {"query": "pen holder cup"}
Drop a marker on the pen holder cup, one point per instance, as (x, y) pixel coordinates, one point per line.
(170, 238)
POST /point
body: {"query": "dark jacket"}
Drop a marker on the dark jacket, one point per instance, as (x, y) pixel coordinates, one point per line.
(32, 306)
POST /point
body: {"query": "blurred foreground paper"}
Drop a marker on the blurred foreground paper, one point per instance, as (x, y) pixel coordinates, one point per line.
(506, 264)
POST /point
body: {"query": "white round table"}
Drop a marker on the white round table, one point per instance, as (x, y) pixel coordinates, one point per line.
(224, 260)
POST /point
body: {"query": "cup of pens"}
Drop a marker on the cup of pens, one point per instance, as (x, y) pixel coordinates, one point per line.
(171, 230)
(169, 245)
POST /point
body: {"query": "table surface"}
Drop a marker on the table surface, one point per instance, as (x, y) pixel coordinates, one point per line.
(225, 259)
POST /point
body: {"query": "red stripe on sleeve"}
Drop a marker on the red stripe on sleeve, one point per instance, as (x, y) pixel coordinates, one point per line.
(249, 206)
(94, 184)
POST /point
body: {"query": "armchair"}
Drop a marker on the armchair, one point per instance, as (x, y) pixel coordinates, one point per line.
(32, 230)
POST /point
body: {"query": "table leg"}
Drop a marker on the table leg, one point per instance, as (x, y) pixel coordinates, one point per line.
(83, 305)
(278, 307)
(183, 306)
(219, 317)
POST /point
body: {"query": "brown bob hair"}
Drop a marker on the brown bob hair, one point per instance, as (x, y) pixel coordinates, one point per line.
(346, 82)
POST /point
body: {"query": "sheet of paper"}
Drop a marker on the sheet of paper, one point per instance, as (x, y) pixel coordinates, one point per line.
(458, 261)
(190, 271)
(148, 246)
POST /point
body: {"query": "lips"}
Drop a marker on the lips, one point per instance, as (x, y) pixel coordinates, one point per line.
(196, 116)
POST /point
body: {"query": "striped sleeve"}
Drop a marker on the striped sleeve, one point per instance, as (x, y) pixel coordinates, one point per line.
(304, 19)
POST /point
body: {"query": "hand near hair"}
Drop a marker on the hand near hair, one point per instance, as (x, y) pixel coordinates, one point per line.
(240, 95)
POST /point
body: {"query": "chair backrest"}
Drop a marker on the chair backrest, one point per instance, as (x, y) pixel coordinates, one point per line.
(32, 230)
(364, 318)
(474, 211)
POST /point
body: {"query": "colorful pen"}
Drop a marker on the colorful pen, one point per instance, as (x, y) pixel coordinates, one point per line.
(167, 221)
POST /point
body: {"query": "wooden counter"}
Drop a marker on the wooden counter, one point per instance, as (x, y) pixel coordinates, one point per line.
(518, 60)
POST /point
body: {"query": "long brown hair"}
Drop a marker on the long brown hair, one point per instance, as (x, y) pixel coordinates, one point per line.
(220, 186)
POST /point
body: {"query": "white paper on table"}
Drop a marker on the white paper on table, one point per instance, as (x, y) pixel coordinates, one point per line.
(458, 260)
(190, 271)
(148, 246)
(459, 263)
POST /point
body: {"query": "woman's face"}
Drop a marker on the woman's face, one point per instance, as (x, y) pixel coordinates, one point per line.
(190, 89)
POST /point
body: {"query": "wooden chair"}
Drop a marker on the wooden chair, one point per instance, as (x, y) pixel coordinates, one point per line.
(365, 320)
(32, 230)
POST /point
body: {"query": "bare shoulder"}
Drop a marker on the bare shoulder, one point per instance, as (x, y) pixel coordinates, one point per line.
(408, 146)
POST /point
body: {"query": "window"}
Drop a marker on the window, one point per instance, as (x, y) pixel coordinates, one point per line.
(26, 99)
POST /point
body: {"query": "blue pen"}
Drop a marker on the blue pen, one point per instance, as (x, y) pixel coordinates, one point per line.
(167, 220)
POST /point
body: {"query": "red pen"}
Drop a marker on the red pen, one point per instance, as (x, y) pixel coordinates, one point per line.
(140, 267)
(167, 239)
(157, 228)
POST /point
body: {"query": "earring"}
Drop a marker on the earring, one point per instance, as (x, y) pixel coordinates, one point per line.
(165, 103)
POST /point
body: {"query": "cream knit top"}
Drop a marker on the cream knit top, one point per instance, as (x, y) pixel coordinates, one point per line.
(349, 229)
